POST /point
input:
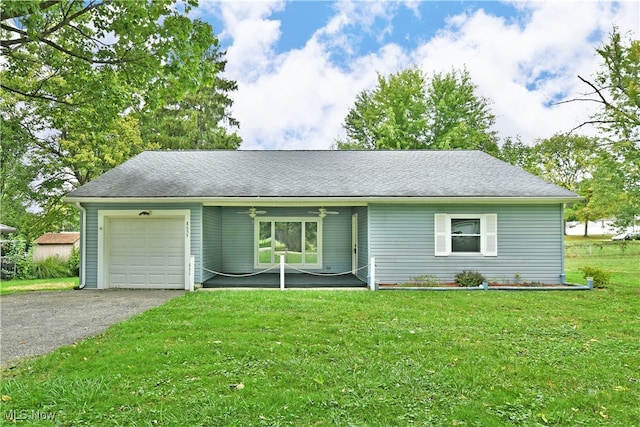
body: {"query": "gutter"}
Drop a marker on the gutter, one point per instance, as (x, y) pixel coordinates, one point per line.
(311, 201)
(83, 245)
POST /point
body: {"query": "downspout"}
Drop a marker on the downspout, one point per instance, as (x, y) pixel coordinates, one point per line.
(83, 245)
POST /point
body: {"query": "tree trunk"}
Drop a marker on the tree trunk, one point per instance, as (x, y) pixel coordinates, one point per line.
(586, 226)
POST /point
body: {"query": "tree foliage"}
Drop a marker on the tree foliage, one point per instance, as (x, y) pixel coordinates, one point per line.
(106, 54)
(517, 153)
(614, 186)
(199, 120)
(566, 160)
(81, 81)
(392, 116)
(616, 89)
(406, 111)
(576, 163)
(458, 117)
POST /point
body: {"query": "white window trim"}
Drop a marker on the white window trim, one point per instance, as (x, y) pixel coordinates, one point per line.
(272, 219)
(488, 234)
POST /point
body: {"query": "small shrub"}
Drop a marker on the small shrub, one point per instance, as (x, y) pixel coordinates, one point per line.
(469, 278)
(601, 278)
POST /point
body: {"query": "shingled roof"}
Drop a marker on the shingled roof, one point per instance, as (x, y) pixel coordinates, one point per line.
(317, 174)
(67, 238)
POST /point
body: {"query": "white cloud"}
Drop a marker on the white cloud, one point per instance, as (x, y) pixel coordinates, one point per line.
(253, 35)
(298, 99)
(524, 66)
(302, 103)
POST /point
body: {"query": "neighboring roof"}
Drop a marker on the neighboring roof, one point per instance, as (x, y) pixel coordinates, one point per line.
(5, 229)
(317, 174)
(68, 238)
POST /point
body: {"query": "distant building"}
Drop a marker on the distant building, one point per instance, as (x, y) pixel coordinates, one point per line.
(600, 227)
(55, 244)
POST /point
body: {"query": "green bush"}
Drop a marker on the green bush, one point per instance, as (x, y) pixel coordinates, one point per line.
(51, 268)
(73, 264)
(469, 278)
(20, 256)
(601, 278)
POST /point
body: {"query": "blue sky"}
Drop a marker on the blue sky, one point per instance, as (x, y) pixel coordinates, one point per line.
(300, 64)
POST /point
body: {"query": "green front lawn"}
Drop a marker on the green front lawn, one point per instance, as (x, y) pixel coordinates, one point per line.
(327, 358)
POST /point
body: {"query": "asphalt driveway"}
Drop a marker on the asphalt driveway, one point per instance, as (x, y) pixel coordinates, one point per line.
(35, 323)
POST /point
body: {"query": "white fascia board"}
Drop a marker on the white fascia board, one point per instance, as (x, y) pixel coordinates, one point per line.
(326, 201)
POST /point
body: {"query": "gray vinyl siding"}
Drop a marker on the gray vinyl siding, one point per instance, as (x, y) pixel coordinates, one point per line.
(91, 252)
(530, 243)
(238, 238)
(92, 233)
(211, 240)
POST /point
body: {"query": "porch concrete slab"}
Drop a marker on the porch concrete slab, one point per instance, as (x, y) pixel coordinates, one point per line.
(293, 280)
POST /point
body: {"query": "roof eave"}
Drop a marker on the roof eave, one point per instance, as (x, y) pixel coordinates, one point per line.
(330, 200)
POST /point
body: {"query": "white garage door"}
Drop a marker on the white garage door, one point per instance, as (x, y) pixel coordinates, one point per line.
(146, 253)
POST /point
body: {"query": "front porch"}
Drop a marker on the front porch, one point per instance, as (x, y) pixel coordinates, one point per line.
(321, 248)
(293, 280)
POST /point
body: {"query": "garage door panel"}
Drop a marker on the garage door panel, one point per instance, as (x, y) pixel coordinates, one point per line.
(163, 241)
(174, 261)
(157, 261)
(156, 279)
(135, 261)
(137, 279)
(117, 279)
(176, 280)
(118, 260)
(146, 253)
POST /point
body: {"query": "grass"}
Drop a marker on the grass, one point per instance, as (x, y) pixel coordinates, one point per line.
(13, 286)
(353, 358)
(624, 266)
(361, 358)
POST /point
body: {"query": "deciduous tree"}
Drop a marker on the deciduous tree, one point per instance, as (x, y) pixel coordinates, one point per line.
(77, 76)
(615, 89)
(458, 117)
(515, 152)
(405, 111)
(392, 116)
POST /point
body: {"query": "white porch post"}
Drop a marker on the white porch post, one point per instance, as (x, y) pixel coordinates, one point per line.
(372, 274)
(282, 272)
(192, 273)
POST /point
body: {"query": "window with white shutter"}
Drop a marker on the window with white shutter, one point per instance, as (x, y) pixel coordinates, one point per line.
(465, 234)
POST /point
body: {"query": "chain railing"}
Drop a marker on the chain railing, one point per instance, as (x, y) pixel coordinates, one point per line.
(282, 265)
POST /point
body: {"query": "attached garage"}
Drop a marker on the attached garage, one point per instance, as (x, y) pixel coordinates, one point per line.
(144, 249)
